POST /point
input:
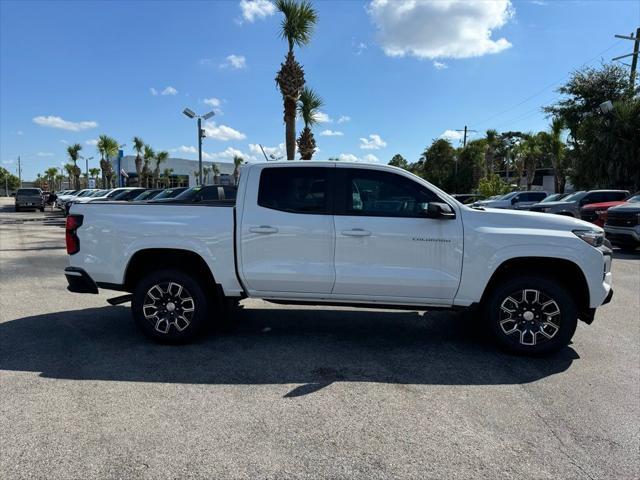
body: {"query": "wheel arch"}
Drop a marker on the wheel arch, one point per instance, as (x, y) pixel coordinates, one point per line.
(562, 270)
(151, 259)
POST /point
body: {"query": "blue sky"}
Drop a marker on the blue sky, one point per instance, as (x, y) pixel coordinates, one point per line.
(392, 79)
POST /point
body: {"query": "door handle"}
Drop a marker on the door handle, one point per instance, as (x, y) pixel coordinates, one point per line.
(263, 229)
(356, 232)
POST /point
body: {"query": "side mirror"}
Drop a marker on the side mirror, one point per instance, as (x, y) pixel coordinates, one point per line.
(439, 210)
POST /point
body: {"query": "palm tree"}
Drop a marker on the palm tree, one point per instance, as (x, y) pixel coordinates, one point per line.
(51, 173)
(530, 152)
(68, 167)
(237, 162)
(196, 175)
(215, 171)
(107, 147)
(59, 179)
(94, 172)
(138, 146)
(74, 154)
(160, 158)
(308, 107)
(166, 173)
(296, 28)
(149, 154)
(557, 154)
(489, 155)
(205, 174)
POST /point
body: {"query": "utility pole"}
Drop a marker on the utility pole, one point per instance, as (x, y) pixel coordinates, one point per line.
(19, 171)
(200, 137)
(466, 130)
(634, 57)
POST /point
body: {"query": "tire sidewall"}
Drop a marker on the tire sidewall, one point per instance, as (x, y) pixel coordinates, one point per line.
(201, 306)
(551, 288)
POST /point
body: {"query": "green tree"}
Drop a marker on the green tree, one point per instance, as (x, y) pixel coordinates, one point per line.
(149, 155)
(50, 174)
(161, 157)
(237, 163)
(167, 173)
(529, 153)
(8, 180)
(107, 147)
(296, 28)
(308, 106)
(438, 164)
(471, 166)
(138, 146)
(492, 185)
(74, 154)
(492, 143)
(93, 173)
(554, 150)
(399, 161)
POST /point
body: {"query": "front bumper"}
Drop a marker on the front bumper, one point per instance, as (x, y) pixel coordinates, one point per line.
(79, 281)
(622, 234)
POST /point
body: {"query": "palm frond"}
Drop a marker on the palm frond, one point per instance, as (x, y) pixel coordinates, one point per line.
(308, 106)
(298, 23)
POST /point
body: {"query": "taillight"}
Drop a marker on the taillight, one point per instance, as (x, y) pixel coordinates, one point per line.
(73, 242)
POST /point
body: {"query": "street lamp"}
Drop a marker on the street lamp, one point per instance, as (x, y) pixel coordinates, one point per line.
(191, 114)
(86, 167)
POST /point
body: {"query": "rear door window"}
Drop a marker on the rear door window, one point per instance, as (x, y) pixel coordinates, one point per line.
(295, 189)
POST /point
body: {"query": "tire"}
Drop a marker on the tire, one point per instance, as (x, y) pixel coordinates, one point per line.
(524, 299)
(179, 312)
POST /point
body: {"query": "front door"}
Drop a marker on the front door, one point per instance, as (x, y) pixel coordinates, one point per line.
(287, 232)
(385, 247)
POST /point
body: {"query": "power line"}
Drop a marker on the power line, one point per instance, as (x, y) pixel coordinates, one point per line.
(541, 91)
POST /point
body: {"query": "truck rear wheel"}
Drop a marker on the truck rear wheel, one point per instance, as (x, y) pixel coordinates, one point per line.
(169, 306)
(531, 315)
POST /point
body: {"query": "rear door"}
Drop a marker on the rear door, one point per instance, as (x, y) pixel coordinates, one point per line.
(287, 233)
(385, 247)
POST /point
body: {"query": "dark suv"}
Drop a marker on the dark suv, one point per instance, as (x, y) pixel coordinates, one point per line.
(623, 226)
(572, 204)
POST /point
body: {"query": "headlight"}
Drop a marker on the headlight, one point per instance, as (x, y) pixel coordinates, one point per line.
(594, 238)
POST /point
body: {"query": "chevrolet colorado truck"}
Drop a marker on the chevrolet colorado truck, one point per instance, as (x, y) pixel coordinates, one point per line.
(338, 233)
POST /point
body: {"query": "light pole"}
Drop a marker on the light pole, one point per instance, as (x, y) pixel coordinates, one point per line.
(86, 167)
(191, 114)
(120, 153)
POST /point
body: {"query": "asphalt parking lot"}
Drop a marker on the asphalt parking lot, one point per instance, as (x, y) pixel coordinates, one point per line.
(300, 392)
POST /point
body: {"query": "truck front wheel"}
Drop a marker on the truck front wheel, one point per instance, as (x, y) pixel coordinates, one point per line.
(169, 306)
(531, 315)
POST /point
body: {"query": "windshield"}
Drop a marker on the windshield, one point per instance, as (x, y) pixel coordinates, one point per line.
(170, 193)
(508, 196)
(149, 194)
(100, 193)
(188, 193)
(554, 197)
(86, 193)
(115, 192)
(575, 197)
(635, 198)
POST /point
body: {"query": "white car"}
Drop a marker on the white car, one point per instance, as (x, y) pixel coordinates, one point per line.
(339, 233)
(513, 200)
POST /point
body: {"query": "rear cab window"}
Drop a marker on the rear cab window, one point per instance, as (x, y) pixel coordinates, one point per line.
(28, 191)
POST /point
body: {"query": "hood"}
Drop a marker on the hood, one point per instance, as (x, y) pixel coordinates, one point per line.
(627, 207)
(525, 219)
(559, 203)
(601, 205)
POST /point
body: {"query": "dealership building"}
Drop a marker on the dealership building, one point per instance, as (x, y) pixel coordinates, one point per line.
(184, 172)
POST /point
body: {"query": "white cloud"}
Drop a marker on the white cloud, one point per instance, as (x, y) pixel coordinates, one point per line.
(167, 91)
(227, 155)
(206, 61)
(253, 10)
(185, 149)
(237, 62)
(359, 48)
(322, 117)
(222, 132)
(58, 122)
(348, 157)
(374, 142)
(7, 162)
(439, 65)
(93, 141)
(440, 29)
(272, 152)
(212, 102)
(344, 119)
(451, 135)
(370, 158)
(331, 133)
(19, 132)
(44, 154)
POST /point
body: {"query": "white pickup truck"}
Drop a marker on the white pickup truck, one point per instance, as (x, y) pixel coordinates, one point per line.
(338, 233)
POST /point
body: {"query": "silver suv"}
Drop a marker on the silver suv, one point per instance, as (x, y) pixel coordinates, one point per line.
(29, 198)
(572, 204)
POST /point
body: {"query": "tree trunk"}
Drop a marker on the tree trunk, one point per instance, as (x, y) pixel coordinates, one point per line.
(290, 127)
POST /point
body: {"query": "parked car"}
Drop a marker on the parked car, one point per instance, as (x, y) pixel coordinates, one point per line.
(148, 194)
(62, 196)
(597, 212)
(513, 200)
(203, 194)
(168, 193)
(571, 205)
(70, 199)
(113, 193)
(468, 198)
(29, 198)
(623, 226)
(341, 233)
(128, 195)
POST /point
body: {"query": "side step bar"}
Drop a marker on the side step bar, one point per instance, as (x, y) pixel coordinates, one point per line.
(120, 300)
